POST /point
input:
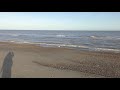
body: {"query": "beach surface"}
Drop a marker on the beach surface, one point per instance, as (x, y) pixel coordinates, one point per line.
(31, 61)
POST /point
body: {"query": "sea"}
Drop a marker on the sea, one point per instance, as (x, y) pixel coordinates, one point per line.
(108, 41)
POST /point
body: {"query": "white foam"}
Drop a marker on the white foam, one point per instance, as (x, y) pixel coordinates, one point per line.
(104, 37)
(62, 45)
(67, 45)
(15, 41)
(12, 41)
(14, 35)
(92, 36)
(60, 35)
(83, 46)
(106, 49)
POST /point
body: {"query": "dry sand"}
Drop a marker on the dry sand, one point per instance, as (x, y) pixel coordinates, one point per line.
(30, 61)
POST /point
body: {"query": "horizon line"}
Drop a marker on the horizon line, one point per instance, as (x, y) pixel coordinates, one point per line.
(56, 30)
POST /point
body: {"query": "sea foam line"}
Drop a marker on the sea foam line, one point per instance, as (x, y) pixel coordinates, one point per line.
(66, 45)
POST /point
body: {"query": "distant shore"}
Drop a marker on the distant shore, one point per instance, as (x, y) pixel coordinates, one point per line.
(51, 62)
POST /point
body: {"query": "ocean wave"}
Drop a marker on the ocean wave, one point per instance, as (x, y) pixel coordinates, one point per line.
(106, 49)
(16, 41)
(105, 37)
(60, 35)
(67, 45)
(93, 36)
(37, 35)
(63, 45)
(14, 35)
(82, 46)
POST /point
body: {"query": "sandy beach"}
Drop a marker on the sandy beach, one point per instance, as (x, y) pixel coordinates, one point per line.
(31, 61)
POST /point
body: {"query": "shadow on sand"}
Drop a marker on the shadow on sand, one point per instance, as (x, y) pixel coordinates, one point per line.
(7, 65)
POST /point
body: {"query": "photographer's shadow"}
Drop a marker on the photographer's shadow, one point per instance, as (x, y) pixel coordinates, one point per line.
(7, 65)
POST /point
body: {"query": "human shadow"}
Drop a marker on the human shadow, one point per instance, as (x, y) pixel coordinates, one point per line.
(7, 65)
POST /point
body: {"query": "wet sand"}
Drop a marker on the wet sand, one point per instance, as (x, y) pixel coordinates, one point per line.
(31, 61)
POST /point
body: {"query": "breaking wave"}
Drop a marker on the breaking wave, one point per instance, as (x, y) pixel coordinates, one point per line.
(106, 49)
(66, 45)
(60, 35)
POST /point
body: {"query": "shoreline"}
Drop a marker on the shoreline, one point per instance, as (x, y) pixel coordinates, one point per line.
(81, 48)
(36, 61)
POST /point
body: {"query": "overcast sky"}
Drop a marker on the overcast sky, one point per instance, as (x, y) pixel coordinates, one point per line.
(60, 20)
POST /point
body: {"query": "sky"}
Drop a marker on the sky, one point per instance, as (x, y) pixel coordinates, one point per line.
(60, 21)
